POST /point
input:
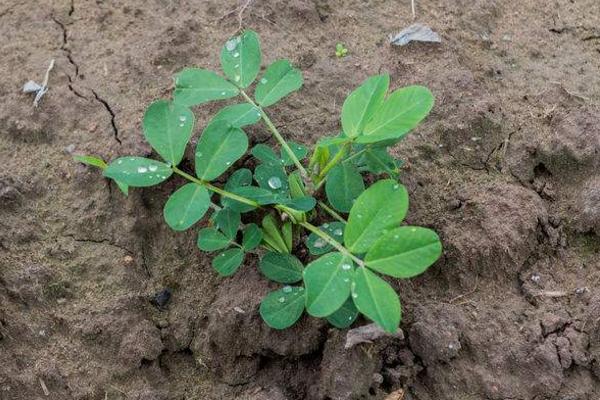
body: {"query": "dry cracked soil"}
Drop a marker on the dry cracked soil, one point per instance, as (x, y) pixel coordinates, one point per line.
(506, 169)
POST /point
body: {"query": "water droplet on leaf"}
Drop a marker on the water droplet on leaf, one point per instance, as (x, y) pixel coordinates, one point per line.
(346, 267)
(287, 289)
(281, 299)
(141, 170)
(263, 81)
(274, 182)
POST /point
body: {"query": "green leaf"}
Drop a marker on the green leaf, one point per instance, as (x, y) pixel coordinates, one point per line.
(240, 58)
(195, 86)
(186, 206)
(123, 187)
(299, 150)
(344, 316)
(296, 185)
(404, 252)
(305, 203)
(288, 235)
(91, 160)
(272, 178)
(378, 161)
(280, 79)
(317, 246)
(260, 195)
(327, 282)
(266, 155)
(238, 115)
(377, 210)
(281, 267)
(227, 262)
(376, 299)
(219, 146)
(362, 103)
(401, 112)
(241, 177)
(228, 221)
(252, 237)
(343, 186)
(168, 128)
(210, 239)
(282, 308)
(272, 235)
(138, 171)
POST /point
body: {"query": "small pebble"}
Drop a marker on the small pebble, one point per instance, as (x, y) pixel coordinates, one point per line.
(162, 298)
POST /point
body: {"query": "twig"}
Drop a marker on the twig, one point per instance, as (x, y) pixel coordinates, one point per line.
(44, 388)
(414, 13)
(241, 12)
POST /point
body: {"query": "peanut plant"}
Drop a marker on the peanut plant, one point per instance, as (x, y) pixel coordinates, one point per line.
(293, 198)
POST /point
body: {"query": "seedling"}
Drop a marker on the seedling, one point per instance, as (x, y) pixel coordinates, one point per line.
(340, 50)
(292, 197)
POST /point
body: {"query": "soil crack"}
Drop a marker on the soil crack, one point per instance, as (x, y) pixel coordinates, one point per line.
(112, 115)
(98, 241)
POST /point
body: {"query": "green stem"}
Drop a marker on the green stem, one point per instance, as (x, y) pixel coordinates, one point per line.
(277, 135)
(215, 189)
(331, 212)
(333, 242)
(338, 156)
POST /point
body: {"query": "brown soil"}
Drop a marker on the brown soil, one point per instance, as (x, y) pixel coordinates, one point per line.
(506, 169)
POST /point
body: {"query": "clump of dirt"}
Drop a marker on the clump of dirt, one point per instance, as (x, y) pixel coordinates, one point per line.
(505, 169)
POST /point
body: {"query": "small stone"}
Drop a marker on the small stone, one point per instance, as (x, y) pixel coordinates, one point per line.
(162, 298)
(128, 260)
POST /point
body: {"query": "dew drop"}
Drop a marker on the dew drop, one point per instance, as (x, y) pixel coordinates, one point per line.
(152, 168)
(231, 44)
(346, 279)
(396, 236)
(281, 299)
(274, 182)
(237, 78)
(346, 267)
(263, 80)
(223, 93)
(287, 289)
(181, 124)
(236, 66)
(349, 318)
(182, 118)
(320, 243)
(354, 295)
(228, 163)
(359, 215)
(141, 170)
(120, 162)
(337, 232)
(325, 226)
(236, 54)
(396, 186)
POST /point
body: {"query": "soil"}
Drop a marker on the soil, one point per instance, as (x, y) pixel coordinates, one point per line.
(506, 169)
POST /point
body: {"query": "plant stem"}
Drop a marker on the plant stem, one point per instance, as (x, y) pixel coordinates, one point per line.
(215, 189)
(333, 242)
(338, 156)
(277, 135)
(331, 212)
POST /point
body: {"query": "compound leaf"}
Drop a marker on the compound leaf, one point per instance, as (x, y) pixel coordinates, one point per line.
(376, 299)
(327, 281)
(282, 308)
(238, 115)
(305, 203)
(186, 206)
(210, 239)
(227, 262)
(168, 128)
(362, 103)
(377, 210)
(266, 155)
(281, 267)
(219, 146)
(138, 171)
(195, 86)
(404, 252)
(344, 316)
(343, 186)
(401, 112)
(279, 80)
(273, 178)
(240, 58)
